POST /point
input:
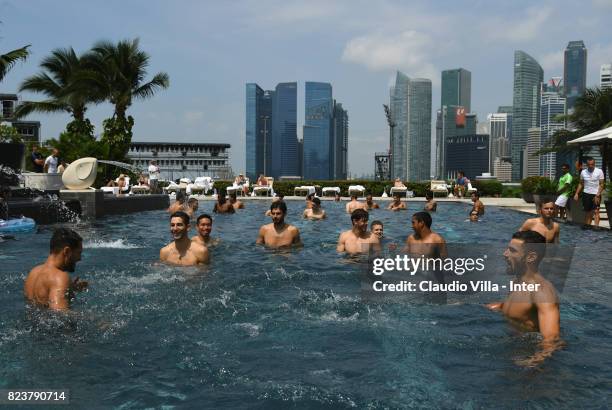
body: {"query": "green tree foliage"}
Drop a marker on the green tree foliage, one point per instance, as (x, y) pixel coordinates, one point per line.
(9, 134)
(8, 60)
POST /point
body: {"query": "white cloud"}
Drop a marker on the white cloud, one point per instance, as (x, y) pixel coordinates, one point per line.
(552, 62)
(523, 29)
(408, 51)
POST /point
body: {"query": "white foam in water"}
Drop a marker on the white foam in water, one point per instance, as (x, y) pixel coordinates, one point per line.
(116, 244)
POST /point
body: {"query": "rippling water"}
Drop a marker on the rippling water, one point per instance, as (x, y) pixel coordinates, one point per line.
(263, 329)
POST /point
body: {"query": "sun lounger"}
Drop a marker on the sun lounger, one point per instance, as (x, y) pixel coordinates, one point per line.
(439, 187)
(264, 190)
(470, 188)
(200, 186)
(331, 191)
(401, 191)
(358, 190)
(172, 187)
(304, 190)
(115, 189)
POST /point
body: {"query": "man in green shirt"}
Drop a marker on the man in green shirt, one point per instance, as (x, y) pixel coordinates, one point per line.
(565, 185)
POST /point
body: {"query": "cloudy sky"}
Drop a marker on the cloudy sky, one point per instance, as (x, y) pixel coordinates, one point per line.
(211, 49)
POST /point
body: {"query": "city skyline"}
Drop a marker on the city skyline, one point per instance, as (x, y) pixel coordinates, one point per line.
(212, 50)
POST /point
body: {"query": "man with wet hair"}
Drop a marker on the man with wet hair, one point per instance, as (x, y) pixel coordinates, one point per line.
(532, 305)
(315, 211)
(370, 204)
(278, 233)
(179, 203)
(204, 227)
(182, 250)
(377, 229)
(223, 206)
(354, 204)
(430, 205)
(473, 216)
(424, 241)
(279, 197)
(358, 239)
(478, 205)
(544, 224)
(192, 207)
(236, 203)
(49, 285)
(397, 204)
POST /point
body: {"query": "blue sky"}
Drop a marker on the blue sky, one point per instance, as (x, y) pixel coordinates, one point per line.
(211, 49)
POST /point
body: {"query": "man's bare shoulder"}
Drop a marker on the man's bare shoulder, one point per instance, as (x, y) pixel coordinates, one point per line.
(546, 292)
(437, 238)
(292, 229)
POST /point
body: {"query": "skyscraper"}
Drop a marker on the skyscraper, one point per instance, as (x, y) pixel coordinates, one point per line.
(457, 88)
(411, 112)
(551, 111)
(528, 76)
(284, 131)
(318, 132)
(451, 121)
(258, 130)
(574, 71)
(605, 76)
(340, 144)
(500, 129)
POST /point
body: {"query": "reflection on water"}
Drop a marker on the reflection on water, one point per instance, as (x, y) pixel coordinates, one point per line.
(269, 329)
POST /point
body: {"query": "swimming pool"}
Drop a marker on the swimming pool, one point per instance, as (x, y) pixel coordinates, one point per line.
(263, 329)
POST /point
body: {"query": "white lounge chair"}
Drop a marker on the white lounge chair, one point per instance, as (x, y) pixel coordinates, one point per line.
(330, 191)
(237, 189)
(172, 187)
(201, 185)
(264, 190)
(470, 188)
(401, 191)
(358, 190)
(304, 190)
(115, 189)
(439, 187)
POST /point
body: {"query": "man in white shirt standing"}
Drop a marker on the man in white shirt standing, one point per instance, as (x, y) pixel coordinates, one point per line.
(592, 183)
(52, 161)
(153, 176)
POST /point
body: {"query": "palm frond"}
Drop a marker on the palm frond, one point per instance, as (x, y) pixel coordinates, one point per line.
(8, 60)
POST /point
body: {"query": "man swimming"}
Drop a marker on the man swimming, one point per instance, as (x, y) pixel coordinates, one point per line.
(478, 205)
(204, 228)
(473, 216)
(49, 285)
(191, 207)
(222, 206)
(370, 204)
(309, 198)
(237, 204)
(424, 241)
(544, 224)
(377, 229)
(430, 205)
(534, 307)
(358, 239)
(182, 250)
(354, 204)
(397, 204)
(280, 197)
(315, 212)
(179, 203)
(278, 233)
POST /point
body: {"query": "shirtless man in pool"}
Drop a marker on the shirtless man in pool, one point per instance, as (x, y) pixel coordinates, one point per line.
(278, 234)
(424, 241)
(49, 285)
(182, 251)
(534, 307)
(204, 225)
(358, 239)
(544, 224)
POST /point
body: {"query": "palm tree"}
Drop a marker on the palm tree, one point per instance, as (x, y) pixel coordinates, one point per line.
(57, 81)
(120, 70)
(8, 60)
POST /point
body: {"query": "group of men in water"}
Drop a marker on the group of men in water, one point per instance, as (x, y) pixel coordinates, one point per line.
(49, 284)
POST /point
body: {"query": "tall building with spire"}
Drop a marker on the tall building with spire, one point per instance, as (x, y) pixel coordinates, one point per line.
(528, 77)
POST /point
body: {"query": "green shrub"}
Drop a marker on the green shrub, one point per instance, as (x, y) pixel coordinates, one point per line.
(511, 192)
(528, 185)
(488, 188)
(545, 187)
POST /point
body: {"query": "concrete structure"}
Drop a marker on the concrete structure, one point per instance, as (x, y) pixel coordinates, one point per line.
(528, 75)
(574, 71)
(382, 170)
(500, 130)
(411, 139)
(534, 143)
(28, 130)
(605, 76)
(183, 160)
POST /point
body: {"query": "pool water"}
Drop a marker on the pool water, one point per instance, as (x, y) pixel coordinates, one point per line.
(265, 329)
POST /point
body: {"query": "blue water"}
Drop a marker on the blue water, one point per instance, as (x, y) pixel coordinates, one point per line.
(263, 329)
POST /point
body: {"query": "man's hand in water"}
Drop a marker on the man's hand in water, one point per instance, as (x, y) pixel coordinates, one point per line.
(79, 285)
(494, 306)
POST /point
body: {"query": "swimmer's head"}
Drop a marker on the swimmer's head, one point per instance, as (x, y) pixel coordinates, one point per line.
(525, 250)
(353, 197)
(179, 224)
(475, 196)
(193, 204)
(474, 216)
(204, 225)
(359, 219)
(180, 197)
(421, 220)
(278, 210)
(428, 195)
(67, 245)
(369, 198)
(233, 198)
(377, 229)
(316, 203)
(547, 209)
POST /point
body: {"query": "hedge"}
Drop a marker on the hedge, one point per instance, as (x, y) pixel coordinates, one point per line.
(488, 188)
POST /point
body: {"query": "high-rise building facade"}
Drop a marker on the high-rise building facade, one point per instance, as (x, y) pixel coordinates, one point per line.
(552, 109)
(605, 76)
(258, 130)
(411, 113)
(451, 121)
(467, 153)
(500, 131)
(528, 76)
(457, 88)
(574, 71)
(284, 131)
(531, 159)
(340, 142)
(318, 131)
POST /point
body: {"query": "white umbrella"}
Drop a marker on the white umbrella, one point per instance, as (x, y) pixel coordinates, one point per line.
(597, 136)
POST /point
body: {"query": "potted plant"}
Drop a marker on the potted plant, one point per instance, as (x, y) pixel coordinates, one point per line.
(545, 191)
(528, 186)
(12, 149)
(575, 213)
